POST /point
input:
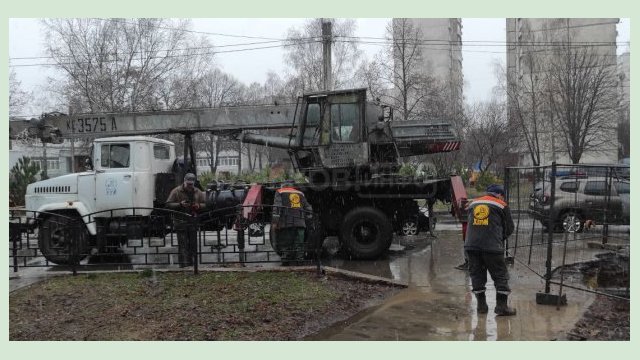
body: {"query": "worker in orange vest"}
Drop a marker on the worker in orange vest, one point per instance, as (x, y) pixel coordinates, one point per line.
(489, 225)
(288, 224)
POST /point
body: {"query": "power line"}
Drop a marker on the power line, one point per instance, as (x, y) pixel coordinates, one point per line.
(164, 50)
(565, 27)
(169, 56)
(386, 41)
(482, 42)
(190, 31)
(443, 47)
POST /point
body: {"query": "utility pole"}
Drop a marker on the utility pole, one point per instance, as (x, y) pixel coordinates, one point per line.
(327, 38)
(73, 149)
(45, 165)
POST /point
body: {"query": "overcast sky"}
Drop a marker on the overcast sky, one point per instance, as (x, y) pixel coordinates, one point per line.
(26, 39)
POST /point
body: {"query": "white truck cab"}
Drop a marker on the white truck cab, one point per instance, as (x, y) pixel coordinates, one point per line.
(123, 177)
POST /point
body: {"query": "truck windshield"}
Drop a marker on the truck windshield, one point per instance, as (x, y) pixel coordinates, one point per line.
(344, 122)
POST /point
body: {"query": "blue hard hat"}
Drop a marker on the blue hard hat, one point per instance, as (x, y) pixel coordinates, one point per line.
(495, 189)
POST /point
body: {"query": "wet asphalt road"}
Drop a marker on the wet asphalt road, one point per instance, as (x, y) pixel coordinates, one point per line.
(438, 303)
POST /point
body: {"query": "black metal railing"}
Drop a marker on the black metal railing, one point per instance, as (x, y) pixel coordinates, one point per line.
(128, 238)
(572, 224)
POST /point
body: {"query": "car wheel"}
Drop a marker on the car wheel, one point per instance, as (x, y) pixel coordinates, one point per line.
(572, 221)
(409, 227)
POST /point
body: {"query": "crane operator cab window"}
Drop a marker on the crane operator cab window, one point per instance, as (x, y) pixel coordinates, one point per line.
(344, 123)
(114, 156)
(312, 129)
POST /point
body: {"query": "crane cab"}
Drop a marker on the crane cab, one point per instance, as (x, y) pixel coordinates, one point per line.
(334, 133)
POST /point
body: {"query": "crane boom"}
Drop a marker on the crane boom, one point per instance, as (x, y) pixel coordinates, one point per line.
(334, 130)
(235, 118)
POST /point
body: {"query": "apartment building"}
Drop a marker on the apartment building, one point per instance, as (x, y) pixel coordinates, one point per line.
(441, 49)
(533, 43)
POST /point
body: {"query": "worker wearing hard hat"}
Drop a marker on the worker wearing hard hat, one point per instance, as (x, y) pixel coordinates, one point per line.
(288, 224)
(489, 224)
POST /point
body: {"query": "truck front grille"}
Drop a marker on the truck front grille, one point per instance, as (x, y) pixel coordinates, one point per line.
(52, 189)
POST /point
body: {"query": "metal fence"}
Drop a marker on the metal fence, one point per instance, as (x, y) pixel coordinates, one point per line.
(572, 226)
(134, 238)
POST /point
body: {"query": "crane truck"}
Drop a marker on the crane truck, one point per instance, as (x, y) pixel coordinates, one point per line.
(349, 150)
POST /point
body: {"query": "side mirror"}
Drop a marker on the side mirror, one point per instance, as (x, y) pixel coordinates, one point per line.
(87, 164)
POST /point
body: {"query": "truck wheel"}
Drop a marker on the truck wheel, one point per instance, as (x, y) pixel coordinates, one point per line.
(366, 233)
(54, 239)
(572, 221)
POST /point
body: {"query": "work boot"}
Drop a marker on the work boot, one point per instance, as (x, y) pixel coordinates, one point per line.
(464, 266)
(502, 309)
(483, 308)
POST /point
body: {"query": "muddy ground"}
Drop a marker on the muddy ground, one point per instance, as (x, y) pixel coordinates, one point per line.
(606, 319)
(245, 306)
(181, 306)
(608, 316)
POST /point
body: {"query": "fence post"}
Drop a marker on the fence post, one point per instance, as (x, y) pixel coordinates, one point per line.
(507, 186)
(605, 225)
(515, 246)
(196, 246)
(15, 233)
(240, 239)
(550, 227)
(74, 246)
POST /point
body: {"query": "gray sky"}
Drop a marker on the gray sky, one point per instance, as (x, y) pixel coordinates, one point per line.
(26, 39)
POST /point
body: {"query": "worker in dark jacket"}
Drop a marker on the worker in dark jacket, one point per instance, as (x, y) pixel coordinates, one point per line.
(188, 199)
(288, 224)
(489, 224)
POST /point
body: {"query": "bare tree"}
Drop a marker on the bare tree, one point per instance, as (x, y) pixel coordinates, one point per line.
(433, 98)
(455, 162)
(371, 76)
(489, 137)
(118, 64)
(581, 89)
(402, 68)
(304, 54)
(17, 97)
(562, 95)
(527, 103)
(274, 88)
(253, 94)
(217, 89)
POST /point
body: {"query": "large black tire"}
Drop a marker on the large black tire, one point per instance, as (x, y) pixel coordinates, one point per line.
(366, 233)
(571, 221)
(55, 239)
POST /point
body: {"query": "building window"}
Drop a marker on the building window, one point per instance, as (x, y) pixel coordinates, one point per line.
(228, 161)
(52, 164)
(203, 162)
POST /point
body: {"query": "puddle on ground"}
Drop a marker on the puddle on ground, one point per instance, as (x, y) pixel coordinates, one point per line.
(438, 303)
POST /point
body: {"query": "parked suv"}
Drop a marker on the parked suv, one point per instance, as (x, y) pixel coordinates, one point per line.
(581, 198)
(617, 171)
